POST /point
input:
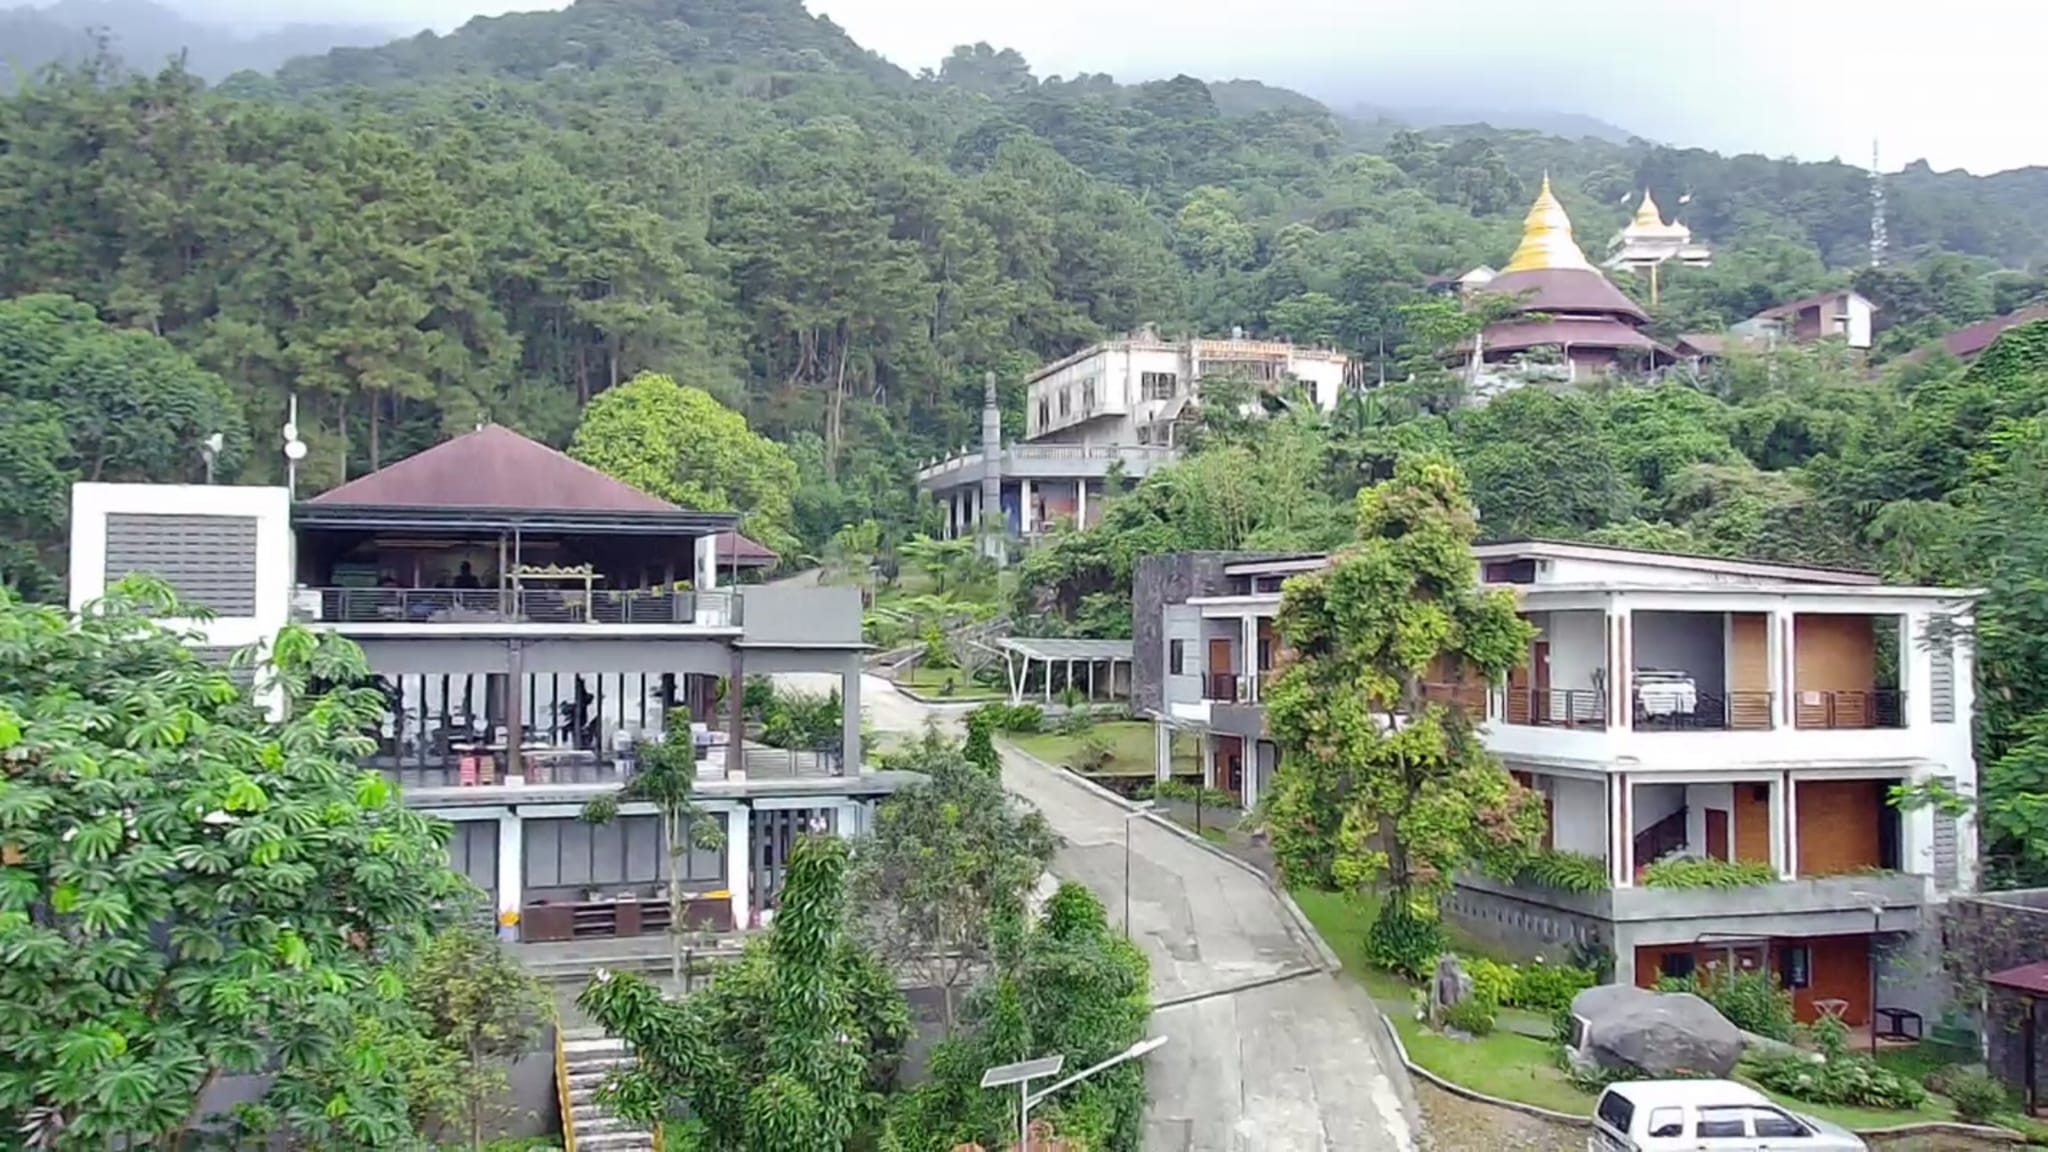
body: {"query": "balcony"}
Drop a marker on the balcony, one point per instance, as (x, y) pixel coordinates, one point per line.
(1225, 688)
(1837, 711)
(479, 771)
(1661, 711)
(1048, 461)
(1557, 707)
(434, 607)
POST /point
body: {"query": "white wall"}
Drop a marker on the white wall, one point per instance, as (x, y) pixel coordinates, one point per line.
(1699, 798)
(1578, 642)
(1578, 815)
(91, 504)
(1651, 803)
(1859, 321)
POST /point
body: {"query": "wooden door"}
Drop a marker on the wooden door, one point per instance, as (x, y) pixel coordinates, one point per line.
(1752, 820)
(1717, 833)
(1219, 666)
(1518, 694)
(1539, 663)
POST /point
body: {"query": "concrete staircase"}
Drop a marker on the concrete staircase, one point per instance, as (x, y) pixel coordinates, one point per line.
(587, 1059)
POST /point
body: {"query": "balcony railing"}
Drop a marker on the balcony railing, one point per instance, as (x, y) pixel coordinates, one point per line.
(1872, 708)
(1710, 712)
(1467, 698)
(487, 767)
(527, 606)
(1557, 707)
(1223, 688)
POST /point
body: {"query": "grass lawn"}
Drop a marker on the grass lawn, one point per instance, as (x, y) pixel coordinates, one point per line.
(1507, 1064)
(932, 682)
(1130, 742)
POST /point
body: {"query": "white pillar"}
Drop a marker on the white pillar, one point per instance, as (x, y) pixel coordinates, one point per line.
(1024, 521)
(1162, 750)
(1248, 661)
(511, 864)
(1783, 681)
(1081, 503)
(1781, 850)
(851, 760)
(738, 862)
(1620, 837)
(1208, 761)
(707, 563)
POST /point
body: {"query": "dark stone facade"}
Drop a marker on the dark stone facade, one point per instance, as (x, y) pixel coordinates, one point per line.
(1169, 578)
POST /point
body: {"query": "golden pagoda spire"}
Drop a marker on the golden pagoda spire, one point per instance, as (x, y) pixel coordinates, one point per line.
(1546, 237)
(1648, 216)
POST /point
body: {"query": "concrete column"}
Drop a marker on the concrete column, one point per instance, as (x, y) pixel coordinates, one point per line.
(515, 713)
(1783, 683)
(1791, 828)
(736, 717)
(1025, 523)
(1248, 661)
(1621, 836)
(511, 864)
(707, 563)
(1081, 503)
(739, 871)
(853, 761)
(1916, 670)
(1781, 849)
(1208, 760)
(1162, 750)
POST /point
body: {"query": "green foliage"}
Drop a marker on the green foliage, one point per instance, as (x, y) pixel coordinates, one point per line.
(1092, 754)
(1564, 871)
(1473, 1015)
(1364, 795)
(980, 748)
(1537, 987)
(1707, 872)
(1069, 985)
(194, 889)
(947, 858)
(1492, 980)
(679, 443)
(1404, 942)
(1188, 793)
(667, 778)
(1750, 999)
(1842, 1077)
(809, 721)
(790, 1047)
(478, 1004)
(1023, 719)
(1979, 1097)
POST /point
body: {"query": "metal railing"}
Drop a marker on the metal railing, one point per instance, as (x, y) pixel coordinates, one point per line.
(1557, 707)
(717, 609)
(1134, 454)
(1869, 708)
(1711, 712)
(489, 768)
(564, 1093)
(1222, 687)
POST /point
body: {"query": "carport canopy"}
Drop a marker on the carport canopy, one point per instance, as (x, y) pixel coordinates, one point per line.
(1020, 652)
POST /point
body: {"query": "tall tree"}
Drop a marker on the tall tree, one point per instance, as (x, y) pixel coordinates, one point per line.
(1379, 784)
(192, 890)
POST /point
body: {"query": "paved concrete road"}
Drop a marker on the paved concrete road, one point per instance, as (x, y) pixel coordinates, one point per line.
(1265, 1050)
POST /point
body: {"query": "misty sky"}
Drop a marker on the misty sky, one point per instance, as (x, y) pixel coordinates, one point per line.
(1955, 82)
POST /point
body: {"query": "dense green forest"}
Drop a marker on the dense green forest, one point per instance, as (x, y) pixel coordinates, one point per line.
(503, 222)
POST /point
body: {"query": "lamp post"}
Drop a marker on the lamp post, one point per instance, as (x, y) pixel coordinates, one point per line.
(1023, 1073)
(1142, 810)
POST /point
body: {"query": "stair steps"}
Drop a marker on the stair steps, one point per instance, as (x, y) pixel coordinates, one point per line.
(588, 1060)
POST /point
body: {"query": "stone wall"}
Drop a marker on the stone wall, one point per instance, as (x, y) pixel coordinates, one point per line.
(1990, 933)
(1158, 581)
(1524, 929)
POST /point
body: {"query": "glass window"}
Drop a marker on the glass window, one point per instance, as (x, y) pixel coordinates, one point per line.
(1176, 657)
(1771, 1122)
(1795, 964)
(1616, 1111)
(1066, 401)
(1044, 411)
(1160, 385)
(1667, 1122)
(1723, 1122)
(1677, 965)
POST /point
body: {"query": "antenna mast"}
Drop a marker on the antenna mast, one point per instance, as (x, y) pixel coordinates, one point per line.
(1877, 233)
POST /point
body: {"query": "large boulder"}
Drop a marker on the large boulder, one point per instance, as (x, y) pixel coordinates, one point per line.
(1659, 1035)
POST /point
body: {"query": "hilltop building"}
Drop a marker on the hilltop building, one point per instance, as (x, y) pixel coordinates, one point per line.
(1120, 404)
(1670, 707)
(1842, 314)
(531, 622)
(1569, 321)
(1647, 243)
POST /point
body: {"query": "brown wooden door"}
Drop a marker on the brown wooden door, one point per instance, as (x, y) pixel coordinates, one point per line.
(1219, 666)
(1539, 663)
(1752, 820)
(1717, 833)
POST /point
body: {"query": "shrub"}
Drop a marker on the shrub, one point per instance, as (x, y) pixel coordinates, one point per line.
(1548, 988)
(1565, 872)
(1020, 718)
(1492, 980)
(1704, 872)
(1092, 755)
(1841, 1077)
(1187, 793)
(1978, 1096)
(1750, 1000)
(1404, 943)
(1078, 722)
(1473, 1015)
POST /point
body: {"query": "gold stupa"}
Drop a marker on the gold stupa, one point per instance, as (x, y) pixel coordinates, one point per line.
(1547, 237)
(1649, 223)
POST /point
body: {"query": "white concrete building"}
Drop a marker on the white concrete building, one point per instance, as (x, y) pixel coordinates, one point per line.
(1669, 707)
(1118, 404)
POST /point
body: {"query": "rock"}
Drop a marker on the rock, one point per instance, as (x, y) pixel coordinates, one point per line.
(1659, 1035)
(1449, 987)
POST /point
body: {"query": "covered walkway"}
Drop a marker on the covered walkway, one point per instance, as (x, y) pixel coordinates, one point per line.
(1100, 670)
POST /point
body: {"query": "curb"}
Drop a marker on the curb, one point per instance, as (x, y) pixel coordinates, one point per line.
(1456, 1089)
(941, 701)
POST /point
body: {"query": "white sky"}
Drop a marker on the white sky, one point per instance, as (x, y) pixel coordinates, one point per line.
(1955, 82)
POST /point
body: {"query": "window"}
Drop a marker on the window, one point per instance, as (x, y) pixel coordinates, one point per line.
(1144, 433)
(1510, 572)
(1159, 385)
(1667, 1122)
(1771, 1122)
(1795, 965)
(1088, 394)
(1176, 657)
(1723, 1122)
(1677, 965)
(1066, 402)
(1265, 653)
(1616, 1111)
(1044, 411)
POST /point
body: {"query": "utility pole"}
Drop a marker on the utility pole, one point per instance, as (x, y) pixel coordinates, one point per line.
(1878, 239)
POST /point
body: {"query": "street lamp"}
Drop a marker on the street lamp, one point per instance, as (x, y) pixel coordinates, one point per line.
(1142, 810)
(1022, 1074)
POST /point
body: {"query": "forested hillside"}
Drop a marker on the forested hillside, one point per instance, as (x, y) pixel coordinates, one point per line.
(503, 222)
(147, 36)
